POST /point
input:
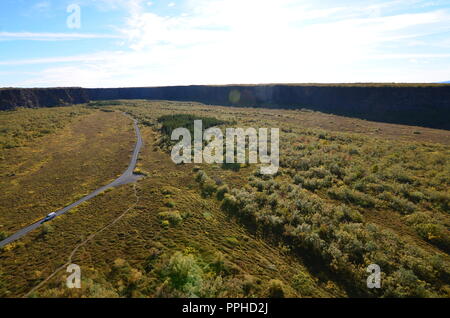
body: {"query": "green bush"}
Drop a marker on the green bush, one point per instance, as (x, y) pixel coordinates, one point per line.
(170, 204)
(437, 234)
(404, 283)
(104, 103)
(200, 176)
(221, 191)
(230, 203)
(399, 204)
(171, 122)
(3, 235)
(440, 199)
(151, 259)
(304, 284)
(315, 183)
(219, 264)
(276, 289)
(209, 187)
(184, 273)
(46, 229)
(231, 166)
(173, 217)
(352, 196)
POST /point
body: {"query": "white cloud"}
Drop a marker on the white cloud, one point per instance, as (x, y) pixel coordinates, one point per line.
(101, 56)
(53, 36)
(42, 6)
(257, 41)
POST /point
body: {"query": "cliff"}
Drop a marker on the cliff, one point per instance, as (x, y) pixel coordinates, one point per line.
(425, 105)
(11, 98)
(419, 105)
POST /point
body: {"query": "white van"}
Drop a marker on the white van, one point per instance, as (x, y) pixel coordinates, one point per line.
(49, 217)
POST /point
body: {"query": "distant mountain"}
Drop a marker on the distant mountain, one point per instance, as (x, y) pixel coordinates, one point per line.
(448, 82)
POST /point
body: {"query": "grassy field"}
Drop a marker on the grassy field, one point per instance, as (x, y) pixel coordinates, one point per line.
(349, 193)
(82, 151)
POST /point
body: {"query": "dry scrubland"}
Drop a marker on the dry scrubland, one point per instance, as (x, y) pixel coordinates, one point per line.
(349, 193)
(44, 174)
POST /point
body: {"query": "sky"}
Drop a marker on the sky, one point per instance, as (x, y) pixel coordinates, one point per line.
(125, 43)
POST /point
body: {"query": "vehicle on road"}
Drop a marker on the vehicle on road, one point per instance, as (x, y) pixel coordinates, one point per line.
(49, 217)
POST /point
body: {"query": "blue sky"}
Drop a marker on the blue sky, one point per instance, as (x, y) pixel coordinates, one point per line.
(174, 42)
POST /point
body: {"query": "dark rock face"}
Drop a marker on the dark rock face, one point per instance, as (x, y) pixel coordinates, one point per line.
(11, 98)
(419, 105)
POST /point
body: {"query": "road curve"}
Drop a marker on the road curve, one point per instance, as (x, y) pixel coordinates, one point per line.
(126, 177)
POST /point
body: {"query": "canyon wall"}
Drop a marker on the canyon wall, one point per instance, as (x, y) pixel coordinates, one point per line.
(11, 98)
(425, 105)
(420, 105)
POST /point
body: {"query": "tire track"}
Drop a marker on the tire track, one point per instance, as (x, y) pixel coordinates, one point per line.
(75, 250)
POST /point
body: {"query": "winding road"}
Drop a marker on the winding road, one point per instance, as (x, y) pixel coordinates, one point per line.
(127, 177)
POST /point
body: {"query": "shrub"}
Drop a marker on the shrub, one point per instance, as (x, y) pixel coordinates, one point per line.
(319, 172)
(315, 183)
(346, 214)
(183, 270)
(221, 191)
(230, 203)
(437, 234)
(352, 196)
(232, 240)
(46, 229)
(337, 171)
(3, 235)
(170, 204)
(440, 199)
(273, 200)
(304, 284)
(374, 188)
(298, 179)
(209, 187)
(167, 190)
(201, 176)
(276, 289)
(261, 198)
(128, 279)
(219, 265)
(402, 177)
(415, 196)
(139, 171)
(231, 166)
(172, 122)
(308, 205)
(399, 204)
(249, 285)
(259, 185)
(151, 259)
(404, 283)
(173, 217)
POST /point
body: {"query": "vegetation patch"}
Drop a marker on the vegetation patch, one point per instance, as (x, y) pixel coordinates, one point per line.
(348, 194)
(173, 217)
